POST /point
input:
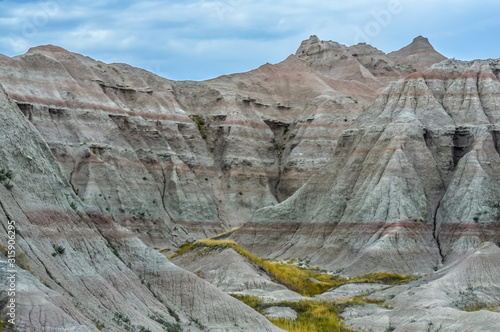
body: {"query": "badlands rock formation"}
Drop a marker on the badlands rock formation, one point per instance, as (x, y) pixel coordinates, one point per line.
(437, 303)
(330, 161)
(105, 276)
(413, 183)
(175, 161)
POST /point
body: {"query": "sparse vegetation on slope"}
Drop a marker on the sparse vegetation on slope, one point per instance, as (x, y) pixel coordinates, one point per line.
(312, 316)
(305, 281)
(200, 123)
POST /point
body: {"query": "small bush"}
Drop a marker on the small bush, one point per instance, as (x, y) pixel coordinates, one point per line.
(167, 326)
(73, 206)
(469, 301)
(200, 123)
(99, 325)
(114, 251)
(58, 250)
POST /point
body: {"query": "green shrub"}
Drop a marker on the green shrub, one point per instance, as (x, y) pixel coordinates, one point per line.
(167, 326)
(58, 250)
(200, 123)
(114, 251)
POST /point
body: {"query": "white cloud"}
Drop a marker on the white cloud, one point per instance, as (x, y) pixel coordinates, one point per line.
(190, 39)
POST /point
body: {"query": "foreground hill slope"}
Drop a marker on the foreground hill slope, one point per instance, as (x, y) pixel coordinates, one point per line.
(462, 297)
(103, 276)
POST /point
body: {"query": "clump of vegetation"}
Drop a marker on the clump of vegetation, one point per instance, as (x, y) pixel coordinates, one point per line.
(312, 316)
(200, 123)
(197, 322)
(167, 326)
(182, 249)
(225, 234)
(124, 321)
(58, 250)
(114, 251)
(99, 325)
(286, 129)
(469, 301)
(6, 175)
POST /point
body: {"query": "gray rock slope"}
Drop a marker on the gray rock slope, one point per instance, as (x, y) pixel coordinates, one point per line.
(462, 297)
(106, 276)
(413, 183)
(176, 161)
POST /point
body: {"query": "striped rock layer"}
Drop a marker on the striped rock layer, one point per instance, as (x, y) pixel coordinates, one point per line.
(176, 161)
(413, 183)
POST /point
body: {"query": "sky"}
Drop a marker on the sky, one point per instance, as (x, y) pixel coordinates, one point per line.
(203, 39)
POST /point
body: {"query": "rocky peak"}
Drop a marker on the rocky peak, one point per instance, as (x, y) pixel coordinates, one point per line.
(420, 54)
(47, 50)
(313, 46)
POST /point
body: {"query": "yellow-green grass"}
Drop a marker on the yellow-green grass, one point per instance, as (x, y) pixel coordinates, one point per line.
(305, 281)
(225, 234)
(312, 316)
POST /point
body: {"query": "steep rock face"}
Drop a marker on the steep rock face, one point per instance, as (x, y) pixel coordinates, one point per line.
(178, 160)
(412, 184)
(105, 276)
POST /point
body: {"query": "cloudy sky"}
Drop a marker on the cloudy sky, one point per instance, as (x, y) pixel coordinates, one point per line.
(201, 39)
